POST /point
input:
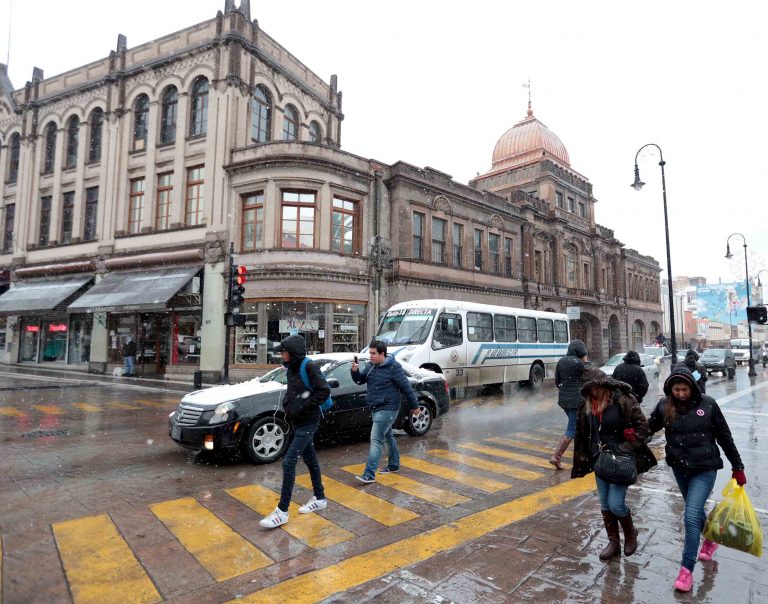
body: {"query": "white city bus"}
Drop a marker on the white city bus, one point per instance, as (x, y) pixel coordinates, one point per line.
(740, 347)
(476, 344)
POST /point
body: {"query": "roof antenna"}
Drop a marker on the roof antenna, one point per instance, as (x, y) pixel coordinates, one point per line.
(528, 86)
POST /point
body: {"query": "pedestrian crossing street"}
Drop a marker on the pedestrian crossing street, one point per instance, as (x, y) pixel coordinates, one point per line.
(100, 565)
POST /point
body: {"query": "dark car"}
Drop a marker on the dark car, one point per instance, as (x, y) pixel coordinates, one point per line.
(719, 359)
(249, 417)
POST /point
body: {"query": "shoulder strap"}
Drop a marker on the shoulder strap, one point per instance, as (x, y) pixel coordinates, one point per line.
(303, 372)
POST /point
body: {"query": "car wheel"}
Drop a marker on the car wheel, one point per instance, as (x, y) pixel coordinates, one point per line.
(267, 440)
(419, 424)
(535, 378)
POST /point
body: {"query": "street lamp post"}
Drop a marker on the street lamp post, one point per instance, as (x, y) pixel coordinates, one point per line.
(637, 185)
(728, 255)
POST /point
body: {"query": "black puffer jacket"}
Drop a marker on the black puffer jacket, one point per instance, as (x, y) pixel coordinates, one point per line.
(698, 427)
(630, 372)
(692, 362)
(569, 375)
(302, 406)
(622, 412)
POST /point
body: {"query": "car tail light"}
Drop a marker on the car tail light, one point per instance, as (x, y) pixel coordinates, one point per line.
(447, 388)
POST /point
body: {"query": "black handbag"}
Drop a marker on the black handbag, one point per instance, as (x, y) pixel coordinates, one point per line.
(616, 468)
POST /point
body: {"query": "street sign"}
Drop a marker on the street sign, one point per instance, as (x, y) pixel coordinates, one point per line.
(573, 312)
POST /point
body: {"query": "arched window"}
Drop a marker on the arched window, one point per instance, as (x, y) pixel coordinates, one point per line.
(96, 126)
(290, 123)
(198, 119)
(168, 115)
(315, 132)
(50, 148)
(140, 122)
(73, 130)
(13, 160)
(261, 116)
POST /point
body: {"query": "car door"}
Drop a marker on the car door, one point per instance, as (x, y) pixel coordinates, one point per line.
(350, 411)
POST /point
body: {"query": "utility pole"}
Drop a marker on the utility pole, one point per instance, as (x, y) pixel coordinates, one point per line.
(227, 316)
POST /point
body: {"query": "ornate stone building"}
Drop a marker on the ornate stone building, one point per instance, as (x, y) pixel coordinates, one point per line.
(124, 181)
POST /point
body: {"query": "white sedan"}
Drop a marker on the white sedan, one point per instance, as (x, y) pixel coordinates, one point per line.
(647, 363)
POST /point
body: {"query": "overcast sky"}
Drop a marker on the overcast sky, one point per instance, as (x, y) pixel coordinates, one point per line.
(436, 83)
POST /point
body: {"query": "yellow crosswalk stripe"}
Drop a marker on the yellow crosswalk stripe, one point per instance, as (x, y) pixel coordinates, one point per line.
(325, 582)
(100, 566)
(312, 529)
(11, 412)
(219, 549)
(354, 498)
(117, 405)
(87, 407)
(478, 482)
(149, 403)
(409, 486)
(488, 466)
(49, 409)
(500, 440)
(522, 457)
(537, 437)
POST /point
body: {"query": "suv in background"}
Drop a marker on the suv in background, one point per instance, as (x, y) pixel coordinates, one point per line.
(719, 359)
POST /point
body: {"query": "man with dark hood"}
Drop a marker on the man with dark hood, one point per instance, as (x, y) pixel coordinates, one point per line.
(631, 372)
(302, 411)
(569, 378)
(697, 369)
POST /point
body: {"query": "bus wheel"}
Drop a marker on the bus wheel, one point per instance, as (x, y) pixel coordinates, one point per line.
(535, 377)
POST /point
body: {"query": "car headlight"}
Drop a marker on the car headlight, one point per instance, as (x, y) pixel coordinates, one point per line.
(222, 412)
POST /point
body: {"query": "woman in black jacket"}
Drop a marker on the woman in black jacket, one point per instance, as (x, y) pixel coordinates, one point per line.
(569, 374)
(610, 418)
(302, 410)
(694, 425)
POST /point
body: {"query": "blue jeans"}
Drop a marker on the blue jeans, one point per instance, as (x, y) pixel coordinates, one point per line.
(303, 445)
(695, 488)
(612, 497)
(130, 364)
(381, 431)
(570, 430)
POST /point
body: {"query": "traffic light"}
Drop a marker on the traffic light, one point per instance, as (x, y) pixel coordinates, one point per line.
(757, 314)
(237, 287)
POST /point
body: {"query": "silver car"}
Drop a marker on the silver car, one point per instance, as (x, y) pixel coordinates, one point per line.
(647, 363)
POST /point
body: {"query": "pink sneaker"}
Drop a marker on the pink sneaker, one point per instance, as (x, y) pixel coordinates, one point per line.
(707, 549)
(684, 580)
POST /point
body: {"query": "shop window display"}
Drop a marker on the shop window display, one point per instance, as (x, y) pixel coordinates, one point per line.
(348, 327)
(30, 340)
(247, 336)
(186, 329)
(306, 319)
(80, 338)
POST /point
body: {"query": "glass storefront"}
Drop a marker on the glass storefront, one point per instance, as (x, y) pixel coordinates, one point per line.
(186, 336)
(30, 339)
(45, 340)
(79, 338)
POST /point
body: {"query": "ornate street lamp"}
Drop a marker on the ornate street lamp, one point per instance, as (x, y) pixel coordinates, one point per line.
(728, 255)
(637, 185)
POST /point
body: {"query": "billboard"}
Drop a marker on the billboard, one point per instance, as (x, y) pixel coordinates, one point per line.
(722, 302)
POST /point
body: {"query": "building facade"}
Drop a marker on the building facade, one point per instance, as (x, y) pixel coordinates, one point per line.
(125, 180)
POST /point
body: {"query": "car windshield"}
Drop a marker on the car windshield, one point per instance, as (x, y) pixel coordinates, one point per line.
(713, 354)
(614, 360)
(653, 351)
(276, 375)
(406, 326)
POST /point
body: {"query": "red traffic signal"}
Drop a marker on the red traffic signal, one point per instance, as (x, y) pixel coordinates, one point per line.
(240, 275)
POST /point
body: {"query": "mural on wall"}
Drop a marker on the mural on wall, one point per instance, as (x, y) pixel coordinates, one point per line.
(722, 302)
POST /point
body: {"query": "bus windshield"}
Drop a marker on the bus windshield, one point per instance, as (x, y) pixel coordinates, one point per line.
(740, 344)
(406, 326)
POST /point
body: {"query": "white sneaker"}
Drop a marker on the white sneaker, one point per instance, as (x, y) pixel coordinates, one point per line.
(313, 505)
(275, 519)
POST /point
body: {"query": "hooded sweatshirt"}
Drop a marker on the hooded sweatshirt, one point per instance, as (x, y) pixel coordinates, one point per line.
(696, 431)
(569, 375)
(302, 406)
(692, 362)
(630, 372)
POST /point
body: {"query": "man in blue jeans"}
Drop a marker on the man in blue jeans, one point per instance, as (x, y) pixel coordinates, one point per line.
(386, 382)
(302, 410)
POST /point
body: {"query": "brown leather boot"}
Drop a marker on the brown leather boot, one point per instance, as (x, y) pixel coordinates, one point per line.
(613, 548)
(565, 441)
(630, 534)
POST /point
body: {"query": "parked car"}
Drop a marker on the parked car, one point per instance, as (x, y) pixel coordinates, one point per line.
(719, 359)
(647, 362)
(249, 417)
(659, 353)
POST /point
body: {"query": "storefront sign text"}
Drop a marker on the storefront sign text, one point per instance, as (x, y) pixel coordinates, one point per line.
(57, 327)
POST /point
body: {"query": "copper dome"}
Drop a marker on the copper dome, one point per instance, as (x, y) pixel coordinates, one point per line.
(525, 142)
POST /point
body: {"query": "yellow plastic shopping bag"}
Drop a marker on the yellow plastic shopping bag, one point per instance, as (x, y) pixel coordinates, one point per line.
(733, 522)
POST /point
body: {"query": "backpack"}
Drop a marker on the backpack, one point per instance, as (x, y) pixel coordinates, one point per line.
(325, 406)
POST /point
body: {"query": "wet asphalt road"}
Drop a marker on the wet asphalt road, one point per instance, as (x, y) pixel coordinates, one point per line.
(95, 497)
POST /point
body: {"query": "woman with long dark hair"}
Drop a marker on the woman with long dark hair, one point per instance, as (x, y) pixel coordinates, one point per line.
(694, 426)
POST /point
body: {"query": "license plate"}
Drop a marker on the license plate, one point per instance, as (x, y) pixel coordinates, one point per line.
(176, 432)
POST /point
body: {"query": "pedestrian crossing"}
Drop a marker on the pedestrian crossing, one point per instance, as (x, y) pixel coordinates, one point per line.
(100, 565)
(80, 408)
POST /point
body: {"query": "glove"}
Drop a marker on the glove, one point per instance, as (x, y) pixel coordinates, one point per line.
(740, 477)
(630, 434)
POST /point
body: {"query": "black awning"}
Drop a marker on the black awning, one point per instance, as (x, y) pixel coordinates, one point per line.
(35, 295)
(135, 290)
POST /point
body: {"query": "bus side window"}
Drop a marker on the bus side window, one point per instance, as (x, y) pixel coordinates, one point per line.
(448, 332)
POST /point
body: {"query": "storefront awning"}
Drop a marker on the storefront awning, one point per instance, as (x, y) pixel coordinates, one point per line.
(35, 295)
(135, 290)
